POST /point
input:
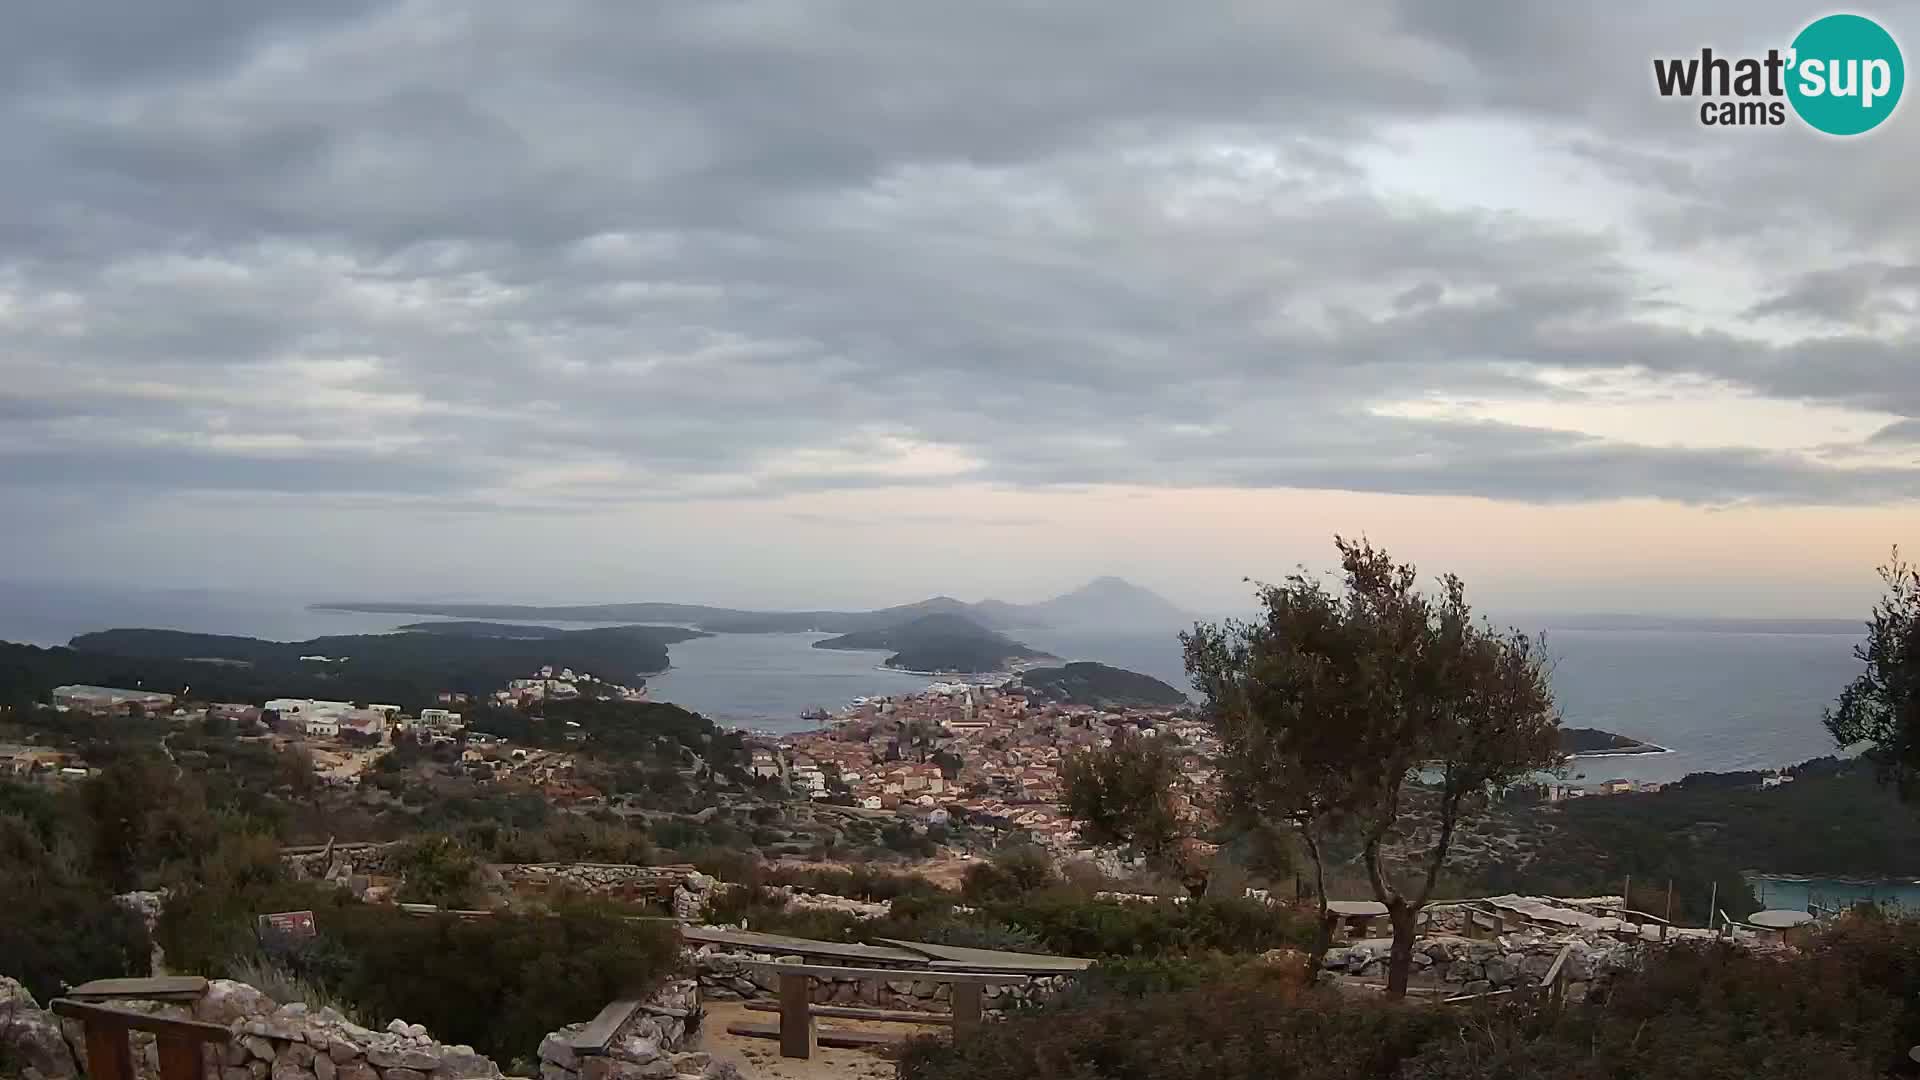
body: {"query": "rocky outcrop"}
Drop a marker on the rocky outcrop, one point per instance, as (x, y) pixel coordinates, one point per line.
(647, 1042)
(735, 974)
(32, 1045)
(691, 896)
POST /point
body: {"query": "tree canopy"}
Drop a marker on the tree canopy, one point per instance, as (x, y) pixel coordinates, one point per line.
(1881, 707)
(1335, 699)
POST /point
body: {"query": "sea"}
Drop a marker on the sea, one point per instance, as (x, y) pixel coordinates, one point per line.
(1720, 699)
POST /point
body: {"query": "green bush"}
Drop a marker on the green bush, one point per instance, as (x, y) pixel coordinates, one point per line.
(1230, 1032)
(439, 870)
(1010, 875)
(56, 927)
(497, 984)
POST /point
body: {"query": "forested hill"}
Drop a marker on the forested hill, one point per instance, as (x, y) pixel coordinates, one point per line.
(1099, 685)
(939, 643)
(407, 669)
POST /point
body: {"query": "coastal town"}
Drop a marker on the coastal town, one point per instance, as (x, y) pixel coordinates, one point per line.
(974, 753)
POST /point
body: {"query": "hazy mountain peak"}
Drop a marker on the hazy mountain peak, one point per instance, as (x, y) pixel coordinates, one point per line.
(1109, 600)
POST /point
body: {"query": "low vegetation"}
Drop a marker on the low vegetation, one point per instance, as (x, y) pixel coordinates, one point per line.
(1845, 1008)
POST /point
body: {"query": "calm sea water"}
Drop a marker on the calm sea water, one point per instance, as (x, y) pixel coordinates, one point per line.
(1720, 700)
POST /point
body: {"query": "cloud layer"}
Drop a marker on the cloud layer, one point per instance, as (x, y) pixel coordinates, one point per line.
(569, 254)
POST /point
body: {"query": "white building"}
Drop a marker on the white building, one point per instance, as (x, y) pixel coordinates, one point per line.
(322, 727)
(306, 707)
(439, 719)
(106, 698)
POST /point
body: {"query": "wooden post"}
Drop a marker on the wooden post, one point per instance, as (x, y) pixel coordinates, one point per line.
(179, 1057)
(1626, 896)
(966, 1009)
(1669, 902)
(1713, 903)
(108, 1056)
(796, 1017)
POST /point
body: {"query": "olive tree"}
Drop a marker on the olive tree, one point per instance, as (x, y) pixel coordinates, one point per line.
(1344, 707)
(1881, 707)
(1128, 794)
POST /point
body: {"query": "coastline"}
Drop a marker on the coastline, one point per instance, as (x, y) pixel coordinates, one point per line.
(963, 675)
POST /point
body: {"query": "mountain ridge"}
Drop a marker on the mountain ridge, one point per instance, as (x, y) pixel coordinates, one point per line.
(1104, 601)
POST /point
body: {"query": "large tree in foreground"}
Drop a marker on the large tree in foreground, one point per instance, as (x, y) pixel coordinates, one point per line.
(1336, 702)
(1881, 707)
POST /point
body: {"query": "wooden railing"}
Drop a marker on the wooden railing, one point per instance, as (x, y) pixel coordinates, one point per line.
(109, 1055)
(1552, 984)
(798, 1035)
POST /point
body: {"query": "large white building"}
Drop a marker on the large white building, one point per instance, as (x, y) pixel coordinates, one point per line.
(106, 698)
(439, 719)
(306, 707)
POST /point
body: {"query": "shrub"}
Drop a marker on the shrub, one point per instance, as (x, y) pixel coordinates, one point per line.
(1230, 1032)
(1010, 875)
(439, 870)
(275, 979)
(57, 928)
(497, 984)
(1844, 1008)
(1068, 924)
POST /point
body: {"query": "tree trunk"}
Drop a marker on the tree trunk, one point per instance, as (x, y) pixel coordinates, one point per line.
(1400, 960)
(1322, 941)
(1323, 935)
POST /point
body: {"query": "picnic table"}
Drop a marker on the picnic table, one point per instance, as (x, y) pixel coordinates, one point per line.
(1358, 914)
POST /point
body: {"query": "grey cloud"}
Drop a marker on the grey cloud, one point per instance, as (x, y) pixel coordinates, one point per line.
(1861, 293)
(563, 254)
(1900, 431)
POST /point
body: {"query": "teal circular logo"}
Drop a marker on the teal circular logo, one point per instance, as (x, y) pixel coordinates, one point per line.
(1846, 74)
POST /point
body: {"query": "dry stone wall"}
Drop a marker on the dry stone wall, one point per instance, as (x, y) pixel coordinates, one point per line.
(731, 974)
(1511, 961)
(271, 1042)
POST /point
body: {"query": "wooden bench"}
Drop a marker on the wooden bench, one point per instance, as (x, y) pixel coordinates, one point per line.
(172, 988)
(798, 1035)
(110, 1057)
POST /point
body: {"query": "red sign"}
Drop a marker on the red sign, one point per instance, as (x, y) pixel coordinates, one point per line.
(298, 924)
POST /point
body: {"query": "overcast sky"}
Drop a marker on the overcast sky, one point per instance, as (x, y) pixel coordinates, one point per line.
(800, 302)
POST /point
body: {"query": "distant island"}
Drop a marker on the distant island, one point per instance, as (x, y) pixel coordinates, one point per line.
(938, 645)
(1592, 742)
(1099, 685)
(406, 669)
(1106, 601)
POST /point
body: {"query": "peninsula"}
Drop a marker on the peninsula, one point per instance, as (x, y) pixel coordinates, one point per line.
(1100, 686)
(1592, 742)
